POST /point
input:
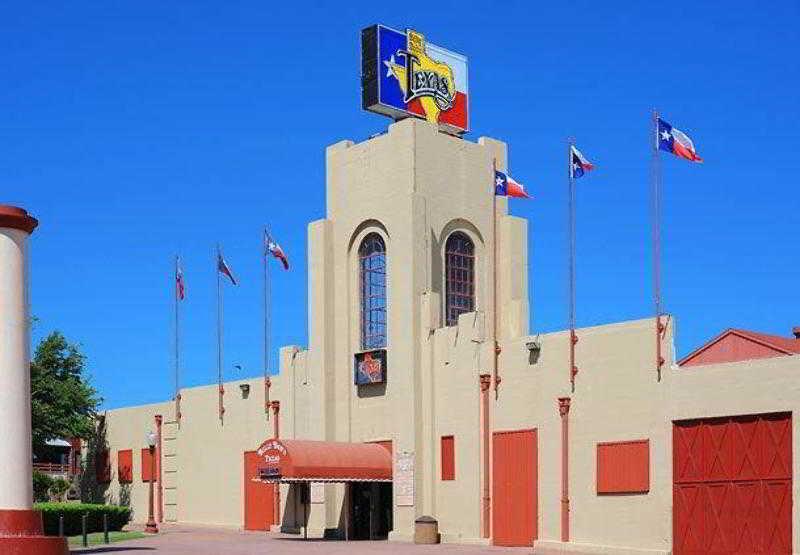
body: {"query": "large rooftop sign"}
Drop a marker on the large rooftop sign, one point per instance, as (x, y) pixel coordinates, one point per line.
(402, 76)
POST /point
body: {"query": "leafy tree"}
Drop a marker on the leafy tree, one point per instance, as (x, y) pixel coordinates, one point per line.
(41, 485)
(63, 403)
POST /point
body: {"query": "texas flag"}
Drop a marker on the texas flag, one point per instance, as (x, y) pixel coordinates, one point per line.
(578, 164)
(676, 141)
(223, 268)
(275, 250)
(505, 186)
(180, 287)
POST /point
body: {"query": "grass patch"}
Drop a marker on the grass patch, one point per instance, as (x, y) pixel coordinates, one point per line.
(96, 538)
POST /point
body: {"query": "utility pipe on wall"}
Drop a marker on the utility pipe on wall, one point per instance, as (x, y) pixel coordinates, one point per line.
(160, 490)
(267, 386)
(563, 410)
(276, 427)
(485, 384)
(276, 433)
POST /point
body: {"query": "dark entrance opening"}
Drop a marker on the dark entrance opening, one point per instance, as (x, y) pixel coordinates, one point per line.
(371, 510)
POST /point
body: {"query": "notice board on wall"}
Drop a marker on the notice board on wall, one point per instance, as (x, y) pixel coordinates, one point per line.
(404, 479)
(317, 492)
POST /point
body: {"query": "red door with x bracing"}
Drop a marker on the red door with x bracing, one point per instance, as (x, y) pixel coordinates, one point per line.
(732, 485)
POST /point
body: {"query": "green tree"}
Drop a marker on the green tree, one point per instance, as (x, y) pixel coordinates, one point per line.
(63, 402)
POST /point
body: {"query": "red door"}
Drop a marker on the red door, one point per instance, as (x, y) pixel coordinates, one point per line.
(514, 488)
(732, 485)
(259, 497)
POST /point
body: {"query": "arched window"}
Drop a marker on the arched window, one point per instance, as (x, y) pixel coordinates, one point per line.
(459, 268)
(372, 270)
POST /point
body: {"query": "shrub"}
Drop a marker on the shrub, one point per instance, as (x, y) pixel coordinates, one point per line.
(59, 489)
(117, 517)
(41, 484)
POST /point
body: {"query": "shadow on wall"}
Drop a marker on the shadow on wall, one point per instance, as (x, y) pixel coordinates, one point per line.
(125, 497)
(95, 471)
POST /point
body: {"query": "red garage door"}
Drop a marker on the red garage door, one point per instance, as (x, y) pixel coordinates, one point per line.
(732, 489)
(259, 498)
(514, 488)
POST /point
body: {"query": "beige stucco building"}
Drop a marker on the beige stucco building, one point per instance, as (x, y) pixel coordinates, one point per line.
(411, 264)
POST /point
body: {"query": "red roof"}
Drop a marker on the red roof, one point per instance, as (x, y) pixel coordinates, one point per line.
(786, 344)
(735, 345)
(294, 459)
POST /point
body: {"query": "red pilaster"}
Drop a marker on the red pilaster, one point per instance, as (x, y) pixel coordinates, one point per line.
(563, 410)
(485, 381)
(160, 490)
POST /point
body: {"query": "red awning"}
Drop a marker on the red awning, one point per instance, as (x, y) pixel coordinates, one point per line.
(289, 460)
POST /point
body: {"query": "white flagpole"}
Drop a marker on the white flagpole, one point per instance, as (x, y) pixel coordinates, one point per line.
(496, 354)
(573, 338)
(177, 339)
(219, 333)
(267, 319)
(656, 199)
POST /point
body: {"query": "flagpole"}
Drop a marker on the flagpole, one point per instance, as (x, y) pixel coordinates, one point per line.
(496, 349)
(219, 334)
(267, 320)
(656, 200)
(573, 338)
(177, 341)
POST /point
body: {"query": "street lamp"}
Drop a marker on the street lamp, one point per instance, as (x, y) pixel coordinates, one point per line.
(151, 527)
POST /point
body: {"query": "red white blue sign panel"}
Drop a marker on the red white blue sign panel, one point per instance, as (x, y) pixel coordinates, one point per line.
(403, 75)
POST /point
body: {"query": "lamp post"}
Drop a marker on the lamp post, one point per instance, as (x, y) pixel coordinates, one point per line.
(151, 527)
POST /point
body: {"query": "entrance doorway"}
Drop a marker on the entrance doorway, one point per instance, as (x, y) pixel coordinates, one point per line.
(371, 510)
(259, 496)
(515, 488)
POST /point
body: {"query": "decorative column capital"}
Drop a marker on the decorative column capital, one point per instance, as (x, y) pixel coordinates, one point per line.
(276, 406)
(17, 218)
(485, 381)
(159, 419)
(563, 405)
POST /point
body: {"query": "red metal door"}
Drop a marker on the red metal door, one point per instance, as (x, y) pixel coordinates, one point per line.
(514, 488)
(732, 485)
(259, 497)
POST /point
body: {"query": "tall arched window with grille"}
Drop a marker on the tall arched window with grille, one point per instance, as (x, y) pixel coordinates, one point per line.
(459, 267)
(372, 269)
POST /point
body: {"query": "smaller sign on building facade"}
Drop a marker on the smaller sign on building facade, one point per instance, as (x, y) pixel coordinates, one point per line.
(403, 76)
(317, 492)
(370, 367)
(271, 454)
(404, 479)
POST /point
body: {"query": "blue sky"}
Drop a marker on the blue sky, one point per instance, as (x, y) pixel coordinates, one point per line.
(145, 129)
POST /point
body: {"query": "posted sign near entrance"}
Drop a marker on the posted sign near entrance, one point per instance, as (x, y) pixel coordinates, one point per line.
(404, 479)
(402, 75)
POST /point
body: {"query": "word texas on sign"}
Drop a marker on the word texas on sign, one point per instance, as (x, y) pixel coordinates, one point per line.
(403, 76)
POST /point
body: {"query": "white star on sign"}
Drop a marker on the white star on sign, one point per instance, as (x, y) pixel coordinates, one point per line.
(665, 135)
(389, 63)
(498, 181)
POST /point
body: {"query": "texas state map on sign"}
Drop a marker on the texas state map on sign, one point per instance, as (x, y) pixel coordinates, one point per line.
(422, 79)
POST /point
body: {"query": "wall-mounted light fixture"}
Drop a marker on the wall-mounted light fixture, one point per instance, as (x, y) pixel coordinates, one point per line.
(245, 388)
(534, 350)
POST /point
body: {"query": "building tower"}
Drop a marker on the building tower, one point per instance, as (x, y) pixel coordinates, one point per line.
(406, 249)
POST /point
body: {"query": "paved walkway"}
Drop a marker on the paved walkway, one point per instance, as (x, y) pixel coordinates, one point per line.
(190, 540)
